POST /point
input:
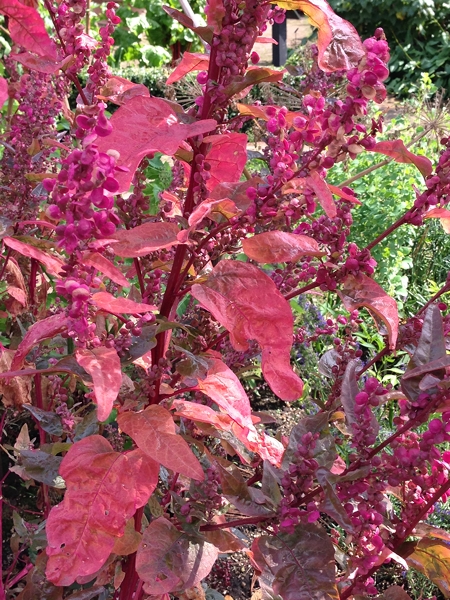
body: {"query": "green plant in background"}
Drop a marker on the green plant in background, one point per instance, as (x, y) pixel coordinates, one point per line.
(418, 36)
(149, 36)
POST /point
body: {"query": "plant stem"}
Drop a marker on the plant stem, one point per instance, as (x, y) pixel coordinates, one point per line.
(388, 231)
(302, 290)
(237, 523)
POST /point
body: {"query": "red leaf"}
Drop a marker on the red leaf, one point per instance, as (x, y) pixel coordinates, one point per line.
(227, 157)
(143, 126)
(216, 210)
(52, 264)
(341, 194)
(4, 95)
(42, 330)
(202, 413)
(27, 29)
(246, 302)
(206, 33)
(105, 266)
(323, 193)
(104, 489)
(145, 238)
(280, 246)
(108, 302)
(253, 76)
(153, 430)
(222, 386)
(398, 151)
(339, 44)
(191, 61)
(363, 291)
(120, 90)
(236, 192)
(168, 560)
(103, 365)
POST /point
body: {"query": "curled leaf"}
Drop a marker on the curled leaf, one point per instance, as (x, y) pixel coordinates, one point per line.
(52, 264)
(105, 266)
(247, 303)
(339, 44)
(362, 291)
(39, 331)
(398, 151)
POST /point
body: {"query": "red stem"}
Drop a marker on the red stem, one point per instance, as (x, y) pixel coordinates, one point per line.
(302, 290)
(131, 580)
(387, 232)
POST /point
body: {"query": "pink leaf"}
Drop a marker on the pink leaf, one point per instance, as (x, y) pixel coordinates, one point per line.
(145, 238)
(108, 302)
(246, 302)
(363, 291)
(222, 386)
(191, 61)
(105, 266)
(236, 192)
(143, 126)
(216, 210)
(202, 413)
(227, 157)
(52, 264)
(398, 151)
(339, 44)
(103, 365)
(169, 560)
(153, 430)
(120, 90)
(4, 95)
(323, 193)
(280, 246)
(42, 330)
(42, 64)
(27, 29)
(104, 489)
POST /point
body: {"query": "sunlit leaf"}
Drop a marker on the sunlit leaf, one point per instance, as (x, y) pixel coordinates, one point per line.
(398, 151)
(191, 61)
(104, 489)
(280, 246)
(247, 303)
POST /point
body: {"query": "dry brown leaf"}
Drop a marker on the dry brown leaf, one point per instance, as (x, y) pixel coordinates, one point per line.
(17, 390)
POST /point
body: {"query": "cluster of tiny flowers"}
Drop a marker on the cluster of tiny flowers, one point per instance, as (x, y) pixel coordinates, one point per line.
(296, 482)
(365, 427)
(69, 21)
(206, 493)
(34, 120)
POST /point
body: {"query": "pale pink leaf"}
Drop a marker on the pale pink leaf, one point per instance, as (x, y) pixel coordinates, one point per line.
(398, 151)
(143, 126)
(120, 90)
(108, 302)
(51, 263)
(146, 238)
(443, 214)
(104, 489)
(153, 430)
(253, 76)
(341, 194)
(103, 365)
(191, 61)
(280, 246)
(247, 303)
(42, 330)
(202, 413)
